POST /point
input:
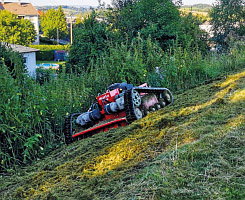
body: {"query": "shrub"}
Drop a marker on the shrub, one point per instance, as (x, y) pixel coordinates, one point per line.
(13, 60)
(45, 75)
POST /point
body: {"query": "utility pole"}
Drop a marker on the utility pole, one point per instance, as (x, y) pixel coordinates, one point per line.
(71, 31)
(57, 35)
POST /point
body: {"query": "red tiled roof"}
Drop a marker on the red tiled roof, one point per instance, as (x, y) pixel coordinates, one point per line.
(19, 9)
(40, 12)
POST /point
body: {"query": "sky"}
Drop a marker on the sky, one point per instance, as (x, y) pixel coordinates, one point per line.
(93, 2)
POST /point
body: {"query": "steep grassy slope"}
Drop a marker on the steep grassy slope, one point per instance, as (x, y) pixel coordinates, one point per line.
(191, 150)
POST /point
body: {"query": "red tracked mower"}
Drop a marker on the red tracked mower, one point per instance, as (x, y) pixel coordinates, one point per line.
(120, 105)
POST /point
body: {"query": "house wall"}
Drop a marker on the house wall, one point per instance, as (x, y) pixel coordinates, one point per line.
(34, 20)
(30, 63)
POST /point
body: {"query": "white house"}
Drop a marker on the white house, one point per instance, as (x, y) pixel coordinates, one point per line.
(29, 55)
(23, 10)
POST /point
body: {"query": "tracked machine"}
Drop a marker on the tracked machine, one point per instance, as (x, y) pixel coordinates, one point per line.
(120, 105)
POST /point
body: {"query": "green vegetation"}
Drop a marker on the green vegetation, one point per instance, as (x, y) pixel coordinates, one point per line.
(14, 30)
(12, 61)
(159, 19)
(227, 18)
(90, 42)
(192, 149)
(46, 41)
(189, 150)
(146, 24)
(53, 24)
(34, 125)
(54, 62)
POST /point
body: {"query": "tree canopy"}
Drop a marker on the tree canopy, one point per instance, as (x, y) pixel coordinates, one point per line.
(53, 21)
(159, 19)
(228, 16)
(14, 30)
(91, 36)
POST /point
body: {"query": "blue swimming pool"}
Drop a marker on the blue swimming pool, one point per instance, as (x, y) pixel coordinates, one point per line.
(48, 65)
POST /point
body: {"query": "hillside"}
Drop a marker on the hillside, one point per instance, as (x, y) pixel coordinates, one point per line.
(197, 7)
(191, 150)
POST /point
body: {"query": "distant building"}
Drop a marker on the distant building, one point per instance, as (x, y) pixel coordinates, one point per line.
(23, 10)
(29, 55)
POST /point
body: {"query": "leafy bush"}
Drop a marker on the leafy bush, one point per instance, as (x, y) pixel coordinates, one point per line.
(44, 75)
(33, 115)
(159, 19)
(190, 36)
(13, 60)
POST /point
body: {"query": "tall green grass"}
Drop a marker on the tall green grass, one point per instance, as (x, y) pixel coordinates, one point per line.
(178, 69)
(32, 115)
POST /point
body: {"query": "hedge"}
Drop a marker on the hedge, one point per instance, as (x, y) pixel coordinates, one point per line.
(47, 51)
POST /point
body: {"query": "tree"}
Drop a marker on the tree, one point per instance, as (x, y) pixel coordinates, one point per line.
(227, 16)
(90, 42)
(159, 19)
(190, 36)
(119, 4)
(14, 30)
(53, 23)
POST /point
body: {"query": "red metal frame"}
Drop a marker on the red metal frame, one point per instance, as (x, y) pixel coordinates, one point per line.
(108, 97)
(104, 127)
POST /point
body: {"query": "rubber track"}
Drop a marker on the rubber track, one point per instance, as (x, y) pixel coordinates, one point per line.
(68, 130)
(129, 105)
(154, 90)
